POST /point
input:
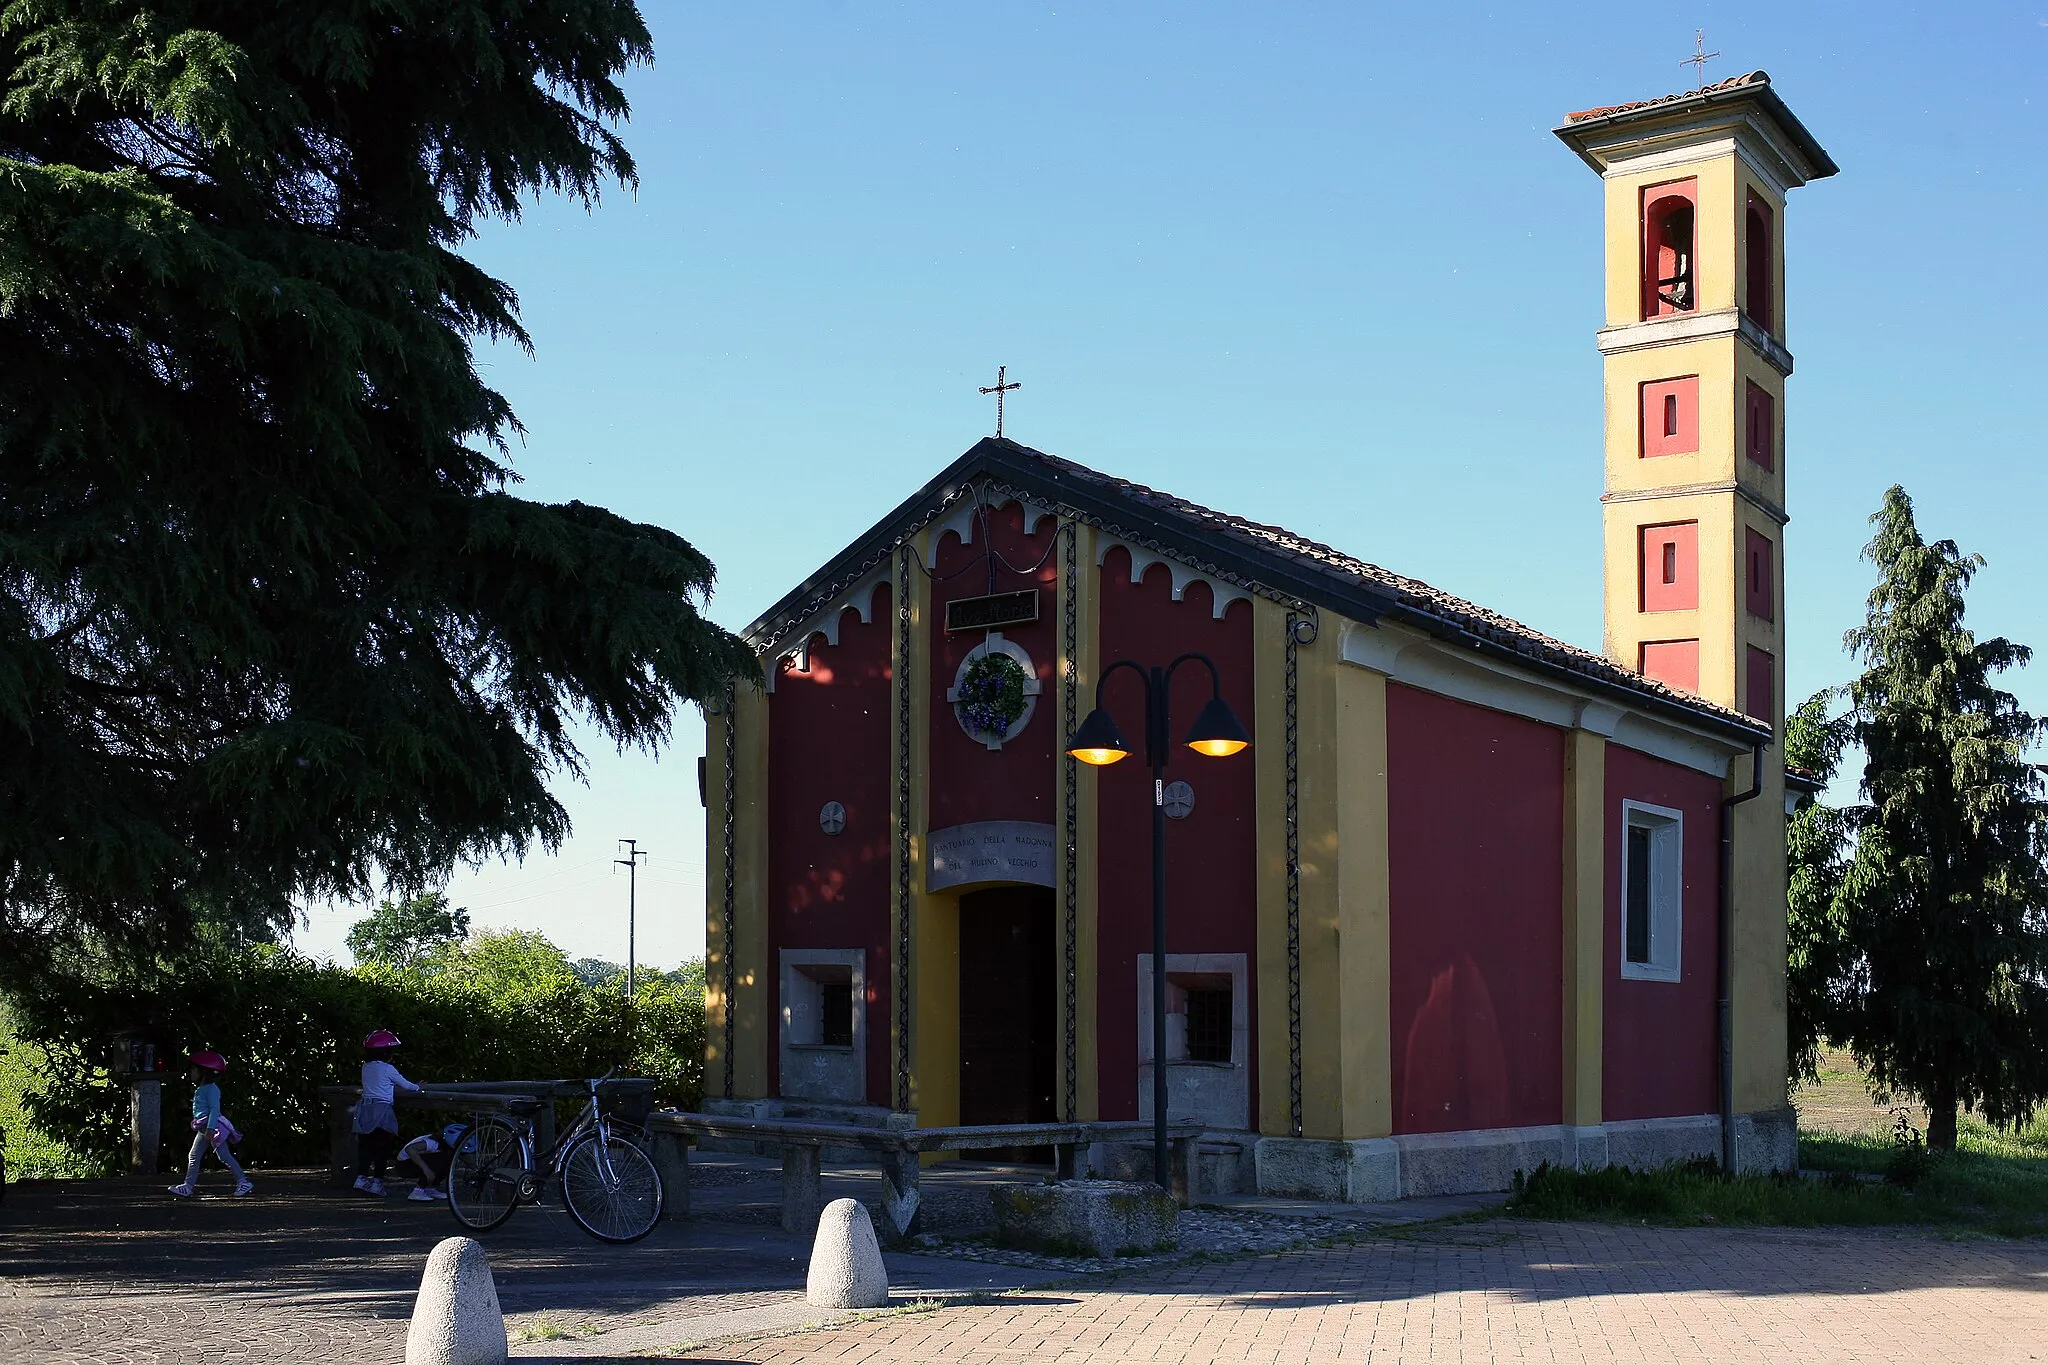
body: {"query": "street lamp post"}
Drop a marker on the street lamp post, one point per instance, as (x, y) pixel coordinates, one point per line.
(1216, 733)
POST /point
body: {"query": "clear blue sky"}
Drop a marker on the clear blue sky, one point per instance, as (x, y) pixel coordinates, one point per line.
(1317, 264)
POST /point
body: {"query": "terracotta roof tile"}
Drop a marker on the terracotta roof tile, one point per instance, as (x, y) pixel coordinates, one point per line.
(1732, 83)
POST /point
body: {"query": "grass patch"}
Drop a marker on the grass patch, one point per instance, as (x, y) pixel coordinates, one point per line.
(544, 1329)
(1995, 1183)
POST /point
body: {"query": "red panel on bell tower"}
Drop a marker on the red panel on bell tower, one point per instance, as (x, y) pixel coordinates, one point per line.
(1673, 662)
(1761, 698)
(1759, 575)
(1759, 426)
(1670, 417)
(1667, 567)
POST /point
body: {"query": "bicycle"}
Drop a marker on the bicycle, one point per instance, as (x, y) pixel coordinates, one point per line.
(609, 1185)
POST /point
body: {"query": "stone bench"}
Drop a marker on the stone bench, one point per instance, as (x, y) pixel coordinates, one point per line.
(898, 1151)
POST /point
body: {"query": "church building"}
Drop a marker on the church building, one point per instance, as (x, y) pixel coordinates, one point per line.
(1472, 898)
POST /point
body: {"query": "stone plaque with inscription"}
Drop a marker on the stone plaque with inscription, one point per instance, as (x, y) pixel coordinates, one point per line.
(990, 851)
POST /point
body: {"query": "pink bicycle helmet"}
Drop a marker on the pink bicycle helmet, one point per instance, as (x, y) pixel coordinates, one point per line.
(210, 1061)
(380, 1039)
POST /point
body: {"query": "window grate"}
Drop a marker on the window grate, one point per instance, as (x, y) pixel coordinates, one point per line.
(835, 1013)
(1638, 905)
(1209, 1022)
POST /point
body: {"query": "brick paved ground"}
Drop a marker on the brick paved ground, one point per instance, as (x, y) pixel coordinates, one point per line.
(1506, 1292)
(102, 1273)
(117, 1272)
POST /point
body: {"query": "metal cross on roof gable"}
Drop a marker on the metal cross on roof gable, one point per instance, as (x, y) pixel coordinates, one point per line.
(1699, 59)
(999, 388)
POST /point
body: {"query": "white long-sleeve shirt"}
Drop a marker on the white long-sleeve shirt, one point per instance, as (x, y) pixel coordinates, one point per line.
(381, 1081)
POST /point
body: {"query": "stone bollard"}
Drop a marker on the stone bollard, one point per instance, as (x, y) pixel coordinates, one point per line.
(456, 1319)
(846, 1260)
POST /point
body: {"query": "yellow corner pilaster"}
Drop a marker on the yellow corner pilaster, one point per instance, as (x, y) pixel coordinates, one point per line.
(1086, 957)
(1585, 925)
(1316, 820)
(715, 946)
(911, 670)
(1364, 904)
(936, 996)
(749, 952)
(1757, 970)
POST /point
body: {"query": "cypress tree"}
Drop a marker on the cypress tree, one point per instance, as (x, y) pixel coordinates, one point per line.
(1941, 986)
(272, 625)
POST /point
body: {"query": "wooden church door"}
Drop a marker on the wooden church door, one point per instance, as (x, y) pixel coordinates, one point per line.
(1009, 1034)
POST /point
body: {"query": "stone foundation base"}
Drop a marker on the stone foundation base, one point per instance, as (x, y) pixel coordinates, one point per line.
(1102, 1218)
(1222, 1163)
(1369, 1170)
(1767, 1140)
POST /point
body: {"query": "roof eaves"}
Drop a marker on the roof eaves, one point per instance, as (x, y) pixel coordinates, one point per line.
(1754, 86)
(1272, 559)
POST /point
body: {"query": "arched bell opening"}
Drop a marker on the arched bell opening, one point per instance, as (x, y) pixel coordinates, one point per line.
(1669, 255)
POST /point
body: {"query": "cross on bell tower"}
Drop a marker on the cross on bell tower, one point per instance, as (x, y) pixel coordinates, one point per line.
(1699, 59)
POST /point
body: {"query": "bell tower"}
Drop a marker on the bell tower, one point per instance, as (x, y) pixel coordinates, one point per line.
(1695, 366)
(1695, 363)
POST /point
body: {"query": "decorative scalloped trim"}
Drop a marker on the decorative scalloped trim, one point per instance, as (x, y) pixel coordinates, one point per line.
(1143, 558)
(827, 623)
(962, 519)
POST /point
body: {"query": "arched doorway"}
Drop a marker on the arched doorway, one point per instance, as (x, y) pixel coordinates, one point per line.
(1009, 996)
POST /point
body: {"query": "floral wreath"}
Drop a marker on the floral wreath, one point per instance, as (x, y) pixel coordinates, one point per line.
(990, 695)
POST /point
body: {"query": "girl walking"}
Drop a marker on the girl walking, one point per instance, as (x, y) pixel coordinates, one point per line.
(210, 1130)
(376, 1122)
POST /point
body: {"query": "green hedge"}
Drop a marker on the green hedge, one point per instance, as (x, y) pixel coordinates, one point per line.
(497, 1007)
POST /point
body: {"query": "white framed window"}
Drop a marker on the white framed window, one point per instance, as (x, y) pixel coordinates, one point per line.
(1652, 887)
(1208, 1038)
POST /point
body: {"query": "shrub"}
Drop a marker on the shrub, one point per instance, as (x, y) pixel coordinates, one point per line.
(497, 1007)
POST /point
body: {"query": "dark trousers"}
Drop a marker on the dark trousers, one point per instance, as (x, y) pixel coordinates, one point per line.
(374, 1151)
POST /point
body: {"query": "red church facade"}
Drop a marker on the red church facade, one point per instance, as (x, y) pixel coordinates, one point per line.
(1458, 910)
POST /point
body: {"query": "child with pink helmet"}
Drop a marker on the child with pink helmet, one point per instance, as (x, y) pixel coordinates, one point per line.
(210, 1128)
(376, 1121)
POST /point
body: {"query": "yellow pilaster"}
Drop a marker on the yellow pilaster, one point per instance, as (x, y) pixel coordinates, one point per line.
(1316, 819)
(1085, 961)
(1585, 924)
(748, 1006)
(937, 1007)
(934, 1052)
(1757, 971)
(716, 1005)
(1363, 904)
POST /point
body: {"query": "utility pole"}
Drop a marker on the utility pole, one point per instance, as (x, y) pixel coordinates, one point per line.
(635, 855)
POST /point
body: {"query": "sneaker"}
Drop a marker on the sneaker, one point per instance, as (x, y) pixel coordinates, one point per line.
(363, 1184)
(376, 1187)
(421, 1195)
(183, 1191)
(245, 1189)
(438, 1194)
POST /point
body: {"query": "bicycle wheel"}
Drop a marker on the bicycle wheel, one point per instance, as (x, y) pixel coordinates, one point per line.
(484, 1175)
(611, 1189)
